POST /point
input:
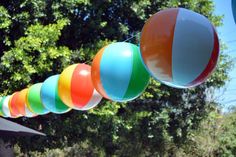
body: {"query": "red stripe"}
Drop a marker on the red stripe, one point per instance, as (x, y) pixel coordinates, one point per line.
(81, 85)
(211, 64)
(14, 106)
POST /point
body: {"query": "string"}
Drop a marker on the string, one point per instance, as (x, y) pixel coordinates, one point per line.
(230, 41)
(230, 101)
(228, 33)
(133, 36)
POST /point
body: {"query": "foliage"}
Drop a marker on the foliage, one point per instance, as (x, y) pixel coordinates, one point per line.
(227, 138)
(39, 38)
(34, 55)
(215, 137)
(78, 150)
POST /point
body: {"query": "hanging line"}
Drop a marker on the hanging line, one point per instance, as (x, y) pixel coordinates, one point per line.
(230, 101)
(230, 41)
(228, 33)
(229, 51)
(133, 36)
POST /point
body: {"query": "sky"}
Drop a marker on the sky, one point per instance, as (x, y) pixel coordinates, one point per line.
(227, 33)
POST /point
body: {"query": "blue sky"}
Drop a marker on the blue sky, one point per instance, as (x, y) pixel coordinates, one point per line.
(227, 33)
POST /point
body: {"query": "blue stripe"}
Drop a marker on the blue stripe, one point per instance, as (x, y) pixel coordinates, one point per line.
(116, 69)
(48, 94)
(192, 46)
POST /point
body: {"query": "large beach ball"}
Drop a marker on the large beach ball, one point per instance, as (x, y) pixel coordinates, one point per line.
(76, 89)
(13, 106)
(19, 101)
(233, 4)
(5, 107)
(179, 47)
(50, 97)
(118, 73)
(34, 102)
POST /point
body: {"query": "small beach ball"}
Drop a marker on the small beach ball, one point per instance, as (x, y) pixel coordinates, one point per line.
(20, 103)
(1, 114)
(5, 107)
(13, 106)
(179, 47)
(33, 100)
(75, 87)
(50, 97)
(1, 103)
(118, 73)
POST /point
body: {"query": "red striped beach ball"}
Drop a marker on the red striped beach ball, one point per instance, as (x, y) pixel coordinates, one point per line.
(13, 106)
(75, 87)
(179, 47)
(19, 101)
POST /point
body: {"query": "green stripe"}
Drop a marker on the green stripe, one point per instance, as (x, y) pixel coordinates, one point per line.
(60, 106)
(1, 103)
(34, 99)
(139, 77)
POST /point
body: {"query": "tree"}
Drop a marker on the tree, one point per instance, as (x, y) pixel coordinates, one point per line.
(39, 38)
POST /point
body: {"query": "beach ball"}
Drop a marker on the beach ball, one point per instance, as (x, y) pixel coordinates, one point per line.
(118, 73)
(50, 97)
(33, 100)
(4, 106)
(19, 100)
(233, 4)
(75, 87)
(1, 102)
(13, 106)
(179, 47)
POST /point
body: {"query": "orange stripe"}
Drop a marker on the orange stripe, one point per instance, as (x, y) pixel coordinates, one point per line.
(157, 39)
(21, 101)
(81, 85)
(95, 73)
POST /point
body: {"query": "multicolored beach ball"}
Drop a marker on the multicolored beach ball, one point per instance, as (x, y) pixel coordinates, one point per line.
(4, 106)
(179, 47)
(33, 100)
(50, 97)
(1, 102)
(13, 106)
(75, 87)
(118, 73)
(19, 103)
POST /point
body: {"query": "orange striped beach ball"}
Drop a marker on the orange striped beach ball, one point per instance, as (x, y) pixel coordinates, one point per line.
(18, 104)
(179, 47)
